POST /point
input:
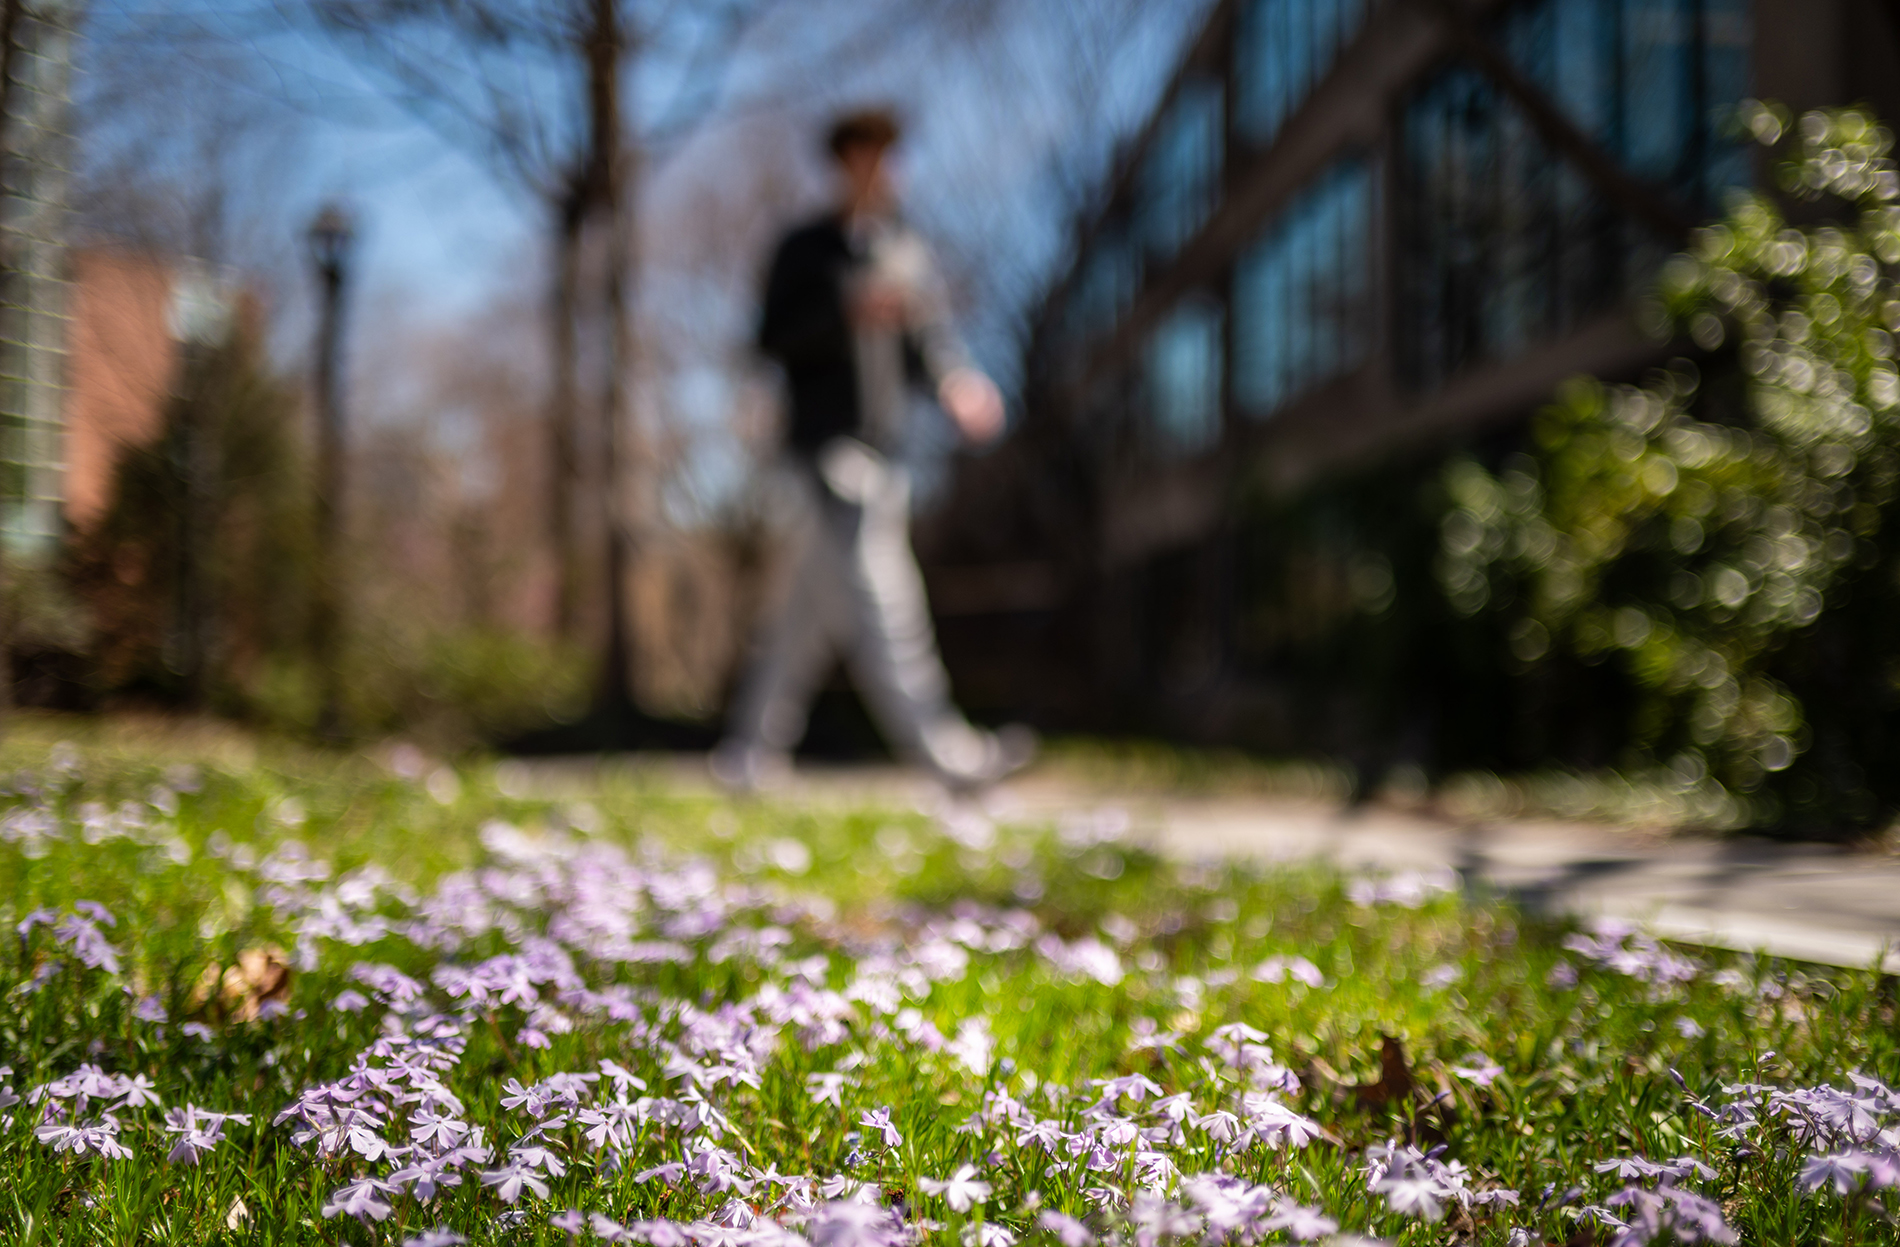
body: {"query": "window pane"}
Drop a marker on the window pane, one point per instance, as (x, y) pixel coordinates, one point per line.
(1283, 47)
(1180, 177)
(1107, 277)
(1184, 376)
(1502, 243)
(1301, 292)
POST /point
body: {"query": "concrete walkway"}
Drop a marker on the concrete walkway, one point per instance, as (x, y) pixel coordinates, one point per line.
(1814, 903)
(1810, 902)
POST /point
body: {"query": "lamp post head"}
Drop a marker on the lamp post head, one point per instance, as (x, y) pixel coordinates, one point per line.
(329, 238)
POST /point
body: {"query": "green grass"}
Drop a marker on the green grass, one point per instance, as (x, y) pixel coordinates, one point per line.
(1585, 1069)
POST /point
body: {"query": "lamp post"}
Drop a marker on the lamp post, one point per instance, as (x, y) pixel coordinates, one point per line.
(329, 240)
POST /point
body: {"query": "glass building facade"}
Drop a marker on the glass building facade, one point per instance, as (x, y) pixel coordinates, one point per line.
(1354, 235)
(1502, 243)
(1455, 239)
(33, 178)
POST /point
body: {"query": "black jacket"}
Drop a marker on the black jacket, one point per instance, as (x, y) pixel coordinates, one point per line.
(805, 327)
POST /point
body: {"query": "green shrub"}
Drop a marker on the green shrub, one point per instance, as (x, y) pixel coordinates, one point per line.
(1708, 537)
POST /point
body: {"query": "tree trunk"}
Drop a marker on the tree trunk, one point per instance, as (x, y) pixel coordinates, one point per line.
(606, 54)
(564, 484)
(190, 653)
(332, 465)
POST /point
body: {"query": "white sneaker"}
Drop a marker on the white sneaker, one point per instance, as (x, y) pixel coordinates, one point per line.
(1001, 754)
(739, 767)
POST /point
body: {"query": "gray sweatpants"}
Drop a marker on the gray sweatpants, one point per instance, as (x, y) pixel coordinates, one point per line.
(854, 590)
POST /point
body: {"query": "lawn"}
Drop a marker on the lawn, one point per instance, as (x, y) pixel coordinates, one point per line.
(283, 998)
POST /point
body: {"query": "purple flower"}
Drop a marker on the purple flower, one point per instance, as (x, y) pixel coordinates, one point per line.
(1620, 947)
(1277, 968)
(851, 1224)
(1649, 1215)
(1301, 1223)
(1220, 1125)
(1145, 1035)
(1686, 1167)
(198, 1132)
(137, 1091)
(608, 1229)
(426, 1176)
(880, 1121)
(572, 1221)
(1412, 1195)
(434, 1238)
(1274, 1123)
(668, 1173)
(1136, 1087)
(658, 1233)
(99, 1138)
(623, 1078)
(1046, 1135)
(1844, 1171)
(1155, 1219)
(80, 932)
(1068, 1231)
(386, 981)
(511, 1179)
(826, 1089)
(362, 1199)
(1628, 1167)
(715, 1170)
(96, 912)
(1087, 958)
(38, 918)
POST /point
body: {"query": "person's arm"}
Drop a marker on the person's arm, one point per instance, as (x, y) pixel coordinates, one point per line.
(967, 396)
(803, 316)
(973, 403)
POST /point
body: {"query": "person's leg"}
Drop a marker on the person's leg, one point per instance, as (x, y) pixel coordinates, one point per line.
(893, 649)
(799, 637)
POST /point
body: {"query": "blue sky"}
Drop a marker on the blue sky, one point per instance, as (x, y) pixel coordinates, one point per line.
(1001, 95)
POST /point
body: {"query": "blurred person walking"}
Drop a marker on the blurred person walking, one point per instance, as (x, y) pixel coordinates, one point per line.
(856, 314)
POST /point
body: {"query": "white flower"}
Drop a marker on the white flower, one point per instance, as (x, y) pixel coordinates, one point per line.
(1478, 1068)
(961, 1190)
(1413, 1196)
(826, 1089)
(1220, 1125)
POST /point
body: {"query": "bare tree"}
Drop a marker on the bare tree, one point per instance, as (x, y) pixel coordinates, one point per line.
(186, 183)
(543, 90)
